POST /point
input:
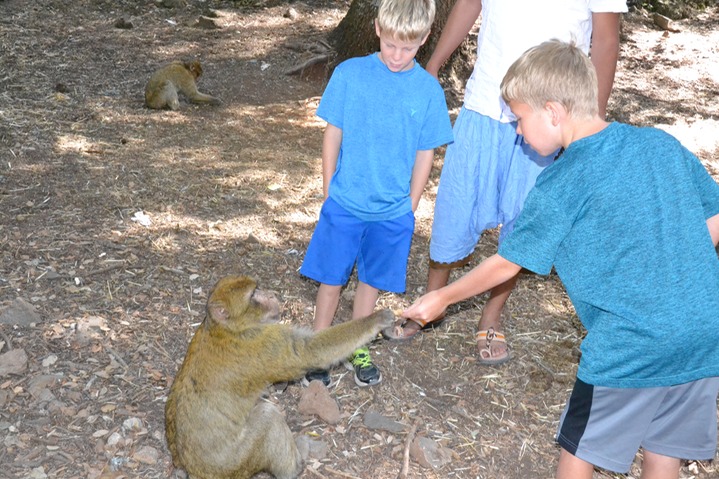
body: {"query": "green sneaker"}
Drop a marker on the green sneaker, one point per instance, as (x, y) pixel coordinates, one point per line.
(366, 373)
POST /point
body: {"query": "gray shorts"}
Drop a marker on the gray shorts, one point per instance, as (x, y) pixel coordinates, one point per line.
(606, 426)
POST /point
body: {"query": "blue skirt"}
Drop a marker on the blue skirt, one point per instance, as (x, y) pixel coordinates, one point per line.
(487, 174)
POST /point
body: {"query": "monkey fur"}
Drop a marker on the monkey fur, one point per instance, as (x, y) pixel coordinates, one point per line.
(162, 88)
(215, 426)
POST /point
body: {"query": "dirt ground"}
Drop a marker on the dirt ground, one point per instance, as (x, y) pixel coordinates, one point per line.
(115, 222)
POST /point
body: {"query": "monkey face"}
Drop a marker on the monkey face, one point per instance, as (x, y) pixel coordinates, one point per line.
(268, 303)
(195, 68)
(236, 303)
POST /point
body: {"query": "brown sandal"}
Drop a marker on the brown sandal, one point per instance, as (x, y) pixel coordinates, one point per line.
(484, 342)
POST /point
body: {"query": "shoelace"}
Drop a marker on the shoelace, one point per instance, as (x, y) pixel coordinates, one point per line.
(362, 359)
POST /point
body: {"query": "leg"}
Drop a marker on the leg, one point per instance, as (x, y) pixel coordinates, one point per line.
(366, 373)
(437, 278)
(492, 314)
(571, 467)
(656, 466)
(365, 300)
(278, 446)
(328, 298)
(170, 94)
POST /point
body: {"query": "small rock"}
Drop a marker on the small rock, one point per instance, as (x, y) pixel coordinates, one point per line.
(20, 312)
(374, 420)
(49, 361)
(316, 400)
(429, 454)
(206, 23)
(114, 439)
(124, 24)
(37, 473)
(13, 362)
(291, 13)
(146, 455)
(39, 386)
(133, 424)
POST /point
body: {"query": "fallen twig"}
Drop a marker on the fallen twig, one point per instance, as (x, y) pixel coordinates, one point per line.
(405, 463)
(340, 473)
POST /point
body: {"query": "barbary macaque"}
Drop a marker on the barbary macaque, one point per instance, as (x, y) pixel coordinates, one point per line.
(162, 88)
(214, 424)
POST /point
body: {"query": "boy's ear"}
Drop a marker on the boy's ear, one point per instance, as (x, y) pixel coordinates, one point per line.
(555, 110)
(425, 38)
(376, 27)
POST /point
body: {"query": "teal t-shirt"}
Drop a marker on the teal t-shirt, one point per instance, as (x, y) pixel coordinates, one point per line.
(385, 118)
(621, 216)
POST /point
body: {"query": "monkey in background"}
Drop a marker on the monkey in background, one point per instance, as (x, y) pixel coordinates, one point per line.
(162, 88)
(214, 426)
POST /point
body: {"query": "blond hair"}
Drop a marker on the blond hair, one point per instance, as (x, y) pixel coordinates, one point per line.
(553, 71)
(406, 20)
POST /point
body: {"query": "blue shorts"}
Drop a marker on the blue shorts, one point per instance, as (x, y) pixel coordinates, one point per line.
(487, 174)
(606, 426)
(379, 248)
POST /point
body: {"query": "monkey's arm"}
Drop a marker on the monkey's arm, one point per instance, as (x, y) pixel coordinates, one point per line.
(304, 350)
(338, 342)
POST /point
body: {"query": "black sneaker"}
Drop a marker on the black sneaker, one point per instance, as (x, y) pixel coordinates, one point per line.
(316, 375)
(366, 373)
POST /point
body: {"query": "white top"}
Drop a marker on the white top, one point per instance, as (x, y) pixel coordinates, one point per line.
(510, 27)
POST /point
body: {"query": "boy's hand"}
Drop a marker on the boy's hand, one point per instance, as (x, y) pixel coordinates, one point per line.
(426, 309)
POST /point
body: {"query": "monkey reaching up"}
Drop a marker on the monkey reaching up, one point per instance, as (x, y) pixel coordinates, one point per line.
(215, 427)
(162, 88)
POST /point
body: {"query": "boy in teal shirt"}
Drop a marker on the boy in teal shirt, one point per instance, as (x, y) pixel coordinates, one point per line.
(629, 219)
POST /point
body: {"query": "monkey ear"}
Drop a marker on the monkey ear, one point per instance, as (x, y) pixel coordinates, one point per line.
(218, 312)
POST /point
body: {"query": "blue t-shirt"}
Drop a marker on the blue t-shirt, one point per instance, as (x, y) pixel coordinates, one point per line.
(622, 217)
(385, 118)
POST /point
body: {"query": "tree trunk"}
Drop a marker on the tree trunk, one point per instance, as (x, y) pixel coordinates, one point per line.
(355, 36)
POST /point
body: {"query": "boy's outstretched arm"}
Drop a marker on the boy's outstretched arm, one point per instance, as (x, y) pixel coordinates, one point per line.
(331, 142)
(491, 272)
(713, 225)
(420, 175)
(604, 53)
(460, 21)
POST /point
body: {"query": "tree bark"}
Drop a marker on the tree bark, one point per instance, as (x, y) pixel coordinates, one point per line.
(355, 36)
